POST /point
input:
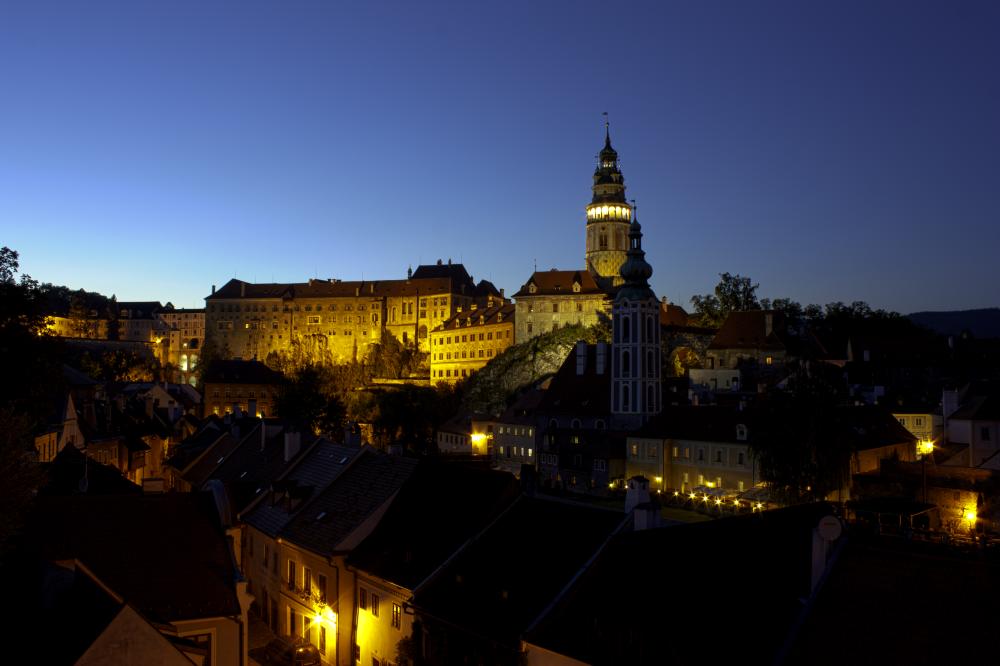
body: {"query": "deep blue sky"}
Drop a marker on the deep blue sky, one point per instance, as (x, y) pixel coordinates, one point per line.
(831, 150)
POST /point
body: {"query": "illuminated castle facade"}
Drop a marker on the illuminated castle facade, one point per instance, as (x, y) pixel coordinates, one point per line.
(556, 298)
(335, 321)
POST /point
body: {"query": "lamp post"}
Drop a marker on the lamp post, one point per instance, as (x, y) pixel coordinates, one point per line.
(925, 448)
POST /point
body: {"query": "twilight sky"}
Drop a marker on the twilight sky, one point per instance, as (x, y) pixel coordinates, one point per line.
(833, 151)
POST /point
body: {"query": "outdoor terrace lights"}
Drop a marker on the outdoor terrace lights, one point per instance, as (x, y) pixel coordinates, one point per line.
(970, 515)
(925, 447)
(691, 496)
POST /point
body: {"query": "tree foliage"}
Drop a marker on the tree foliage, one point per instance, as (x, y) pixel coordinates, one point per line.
(32, 377)
(309, 400)
(733, 293)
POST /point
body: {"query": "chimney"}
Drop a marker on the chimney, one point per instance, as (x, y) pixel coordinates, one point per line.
(371, 288)
(581, 357)
(602, 357)
(637, 492)
(768, 323)
(243, 289)
(293, 441)
(501, 293)
(252, 407)
(213, 288)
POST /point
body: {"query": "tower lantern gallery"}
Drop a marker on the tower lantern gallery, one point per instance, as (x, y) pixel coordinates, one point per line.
(608, 217)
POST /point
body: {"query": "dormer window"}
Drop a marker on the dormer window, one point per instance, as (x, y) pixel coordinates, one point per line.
(532, 288)
(741, 433)
(576, 287)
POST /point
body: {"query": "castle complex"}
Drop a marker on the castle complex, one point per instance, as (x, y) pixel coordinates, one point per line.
(335, 321)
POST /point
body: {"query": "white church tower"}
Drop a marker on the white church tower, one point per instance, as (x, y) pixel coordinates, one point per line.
(635, 374)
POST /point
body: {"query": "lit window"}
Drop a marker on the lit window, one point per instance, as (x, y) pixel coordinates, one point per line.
(396, 615)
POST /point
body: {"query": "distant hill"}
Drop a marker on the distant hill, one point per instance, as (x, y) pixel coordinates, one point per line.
(983, 323)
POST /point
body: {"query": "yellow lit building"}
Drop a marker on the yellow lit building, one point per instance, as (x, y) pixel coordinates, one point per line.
(469, 340)
(335, 321)
(184, 337)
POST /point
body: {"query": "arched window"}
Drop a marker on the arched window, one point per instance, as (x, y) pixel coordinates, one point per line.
(626, 329)
(650, 364)
(394, 314)
(575, 424)
(553, 424)
(626, 364)
(599, 424)
(649, 329)
(650, 398)
(625, 400)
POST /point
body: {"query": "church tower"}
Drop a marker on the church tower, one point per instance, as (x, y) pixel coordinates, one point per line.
(635, 328)
(608, 218)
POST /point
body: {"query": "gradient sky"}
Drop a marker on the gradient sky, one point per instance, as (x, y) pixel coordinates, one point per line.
(831, 150)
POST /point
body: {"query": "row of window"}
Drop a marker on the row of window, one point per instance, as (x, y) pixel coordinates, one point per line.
(447, 356)
(370, 601)
(448, 373)
(557, 307)
(447, 340)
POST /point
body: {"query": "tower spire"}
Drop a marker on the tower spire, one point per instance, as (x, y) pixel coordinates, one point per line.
(607, 132)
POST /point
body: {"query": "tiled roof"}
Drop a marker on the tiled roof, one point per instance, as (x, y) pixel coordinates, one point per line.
(214, 455)
(514, 570)
(250, 468)
(979, 408)
(140, 309)
(673, 315)
(241, 372)
(438, 509)
(701, 424)
(335, 513)
(747, 573)
(556, 282)
(748, 330)
(167, 555)
(314, 469)
(479, 317)
(64, 474)
(343, 288)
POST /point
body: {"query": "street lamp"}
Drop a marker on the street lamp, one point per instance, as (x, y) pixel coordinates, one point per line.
(925, 448)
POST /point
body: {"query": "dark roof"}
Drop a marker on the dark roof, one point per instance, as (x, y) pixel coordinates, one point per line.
(241, 372)
(189, 449)
(485, 289)
(588, 393)
(140, 309)
(558, 282)
(449, 271)
(710, 423)
(479, 317)
(343, 288)
(880, 587)
(311, 472)
(250, 468)
(65, 475)
(748, 330)
(437, 510)
(525, 408)
(729, 588)
(500, 582)
(979, 408)
(361, 489)
(214, 455)
(167, 555)
(673, 315)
